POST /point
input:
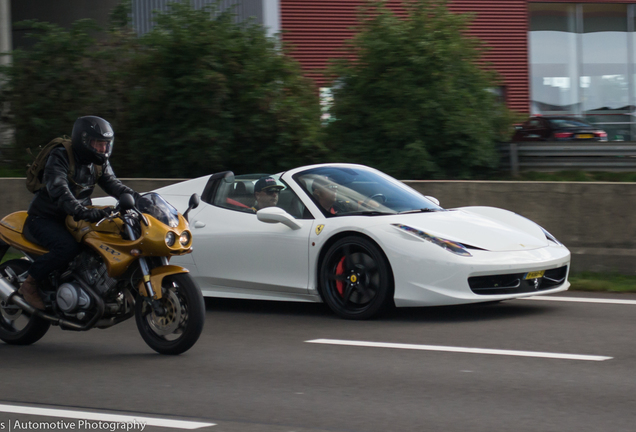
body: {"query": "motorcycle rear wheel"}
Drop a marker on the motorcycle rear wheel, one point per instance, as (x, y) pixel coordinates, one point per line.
(179, 329)
(17, 327)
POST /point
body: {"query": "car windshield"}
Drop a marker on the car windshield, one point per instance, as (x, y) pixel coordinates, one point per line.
(160, 209)
(343, 191)
(568, 123)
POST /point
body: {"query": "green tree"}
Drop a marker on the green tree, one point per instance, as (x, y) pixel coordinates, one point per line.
(198, 94)
(412, 99)
(64, 75)
(212, 94)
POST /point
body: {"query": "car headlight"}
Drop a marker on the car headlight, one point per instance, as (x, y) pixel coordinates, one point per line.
(170, 238)
(451, 246)
(185, 237)
(551, 237)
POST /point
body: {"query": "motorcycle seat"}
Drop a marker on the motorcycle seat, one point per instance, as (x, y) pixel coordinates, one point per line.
(12, 232)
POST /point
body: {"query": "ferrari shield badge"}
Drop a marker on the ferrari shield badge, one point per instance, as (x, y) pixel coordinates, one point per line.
(319, 229)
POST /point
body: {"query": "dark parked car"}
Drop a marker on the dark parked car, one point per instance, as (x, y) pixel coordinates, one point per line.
(558, 129)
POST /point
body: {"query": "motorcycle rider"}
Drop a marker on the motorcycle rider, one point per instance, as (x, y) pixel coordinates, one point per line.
(92, 144)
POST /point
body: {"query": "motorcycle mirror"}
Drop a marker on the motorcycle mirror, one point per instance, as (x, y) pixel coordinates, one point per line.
(192, 204)
(126, 202)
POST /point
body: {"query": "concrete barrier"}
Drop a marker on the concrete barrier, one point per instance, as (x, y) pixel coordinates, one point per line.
(14, 196)
(596, 221)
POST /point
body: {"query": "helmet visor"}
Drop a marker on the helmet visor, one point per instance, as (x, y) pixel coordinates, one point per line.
(101, 146)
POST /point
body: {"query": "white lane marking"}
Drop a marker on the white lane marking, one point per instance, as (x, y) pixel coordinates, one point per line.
(581, 300)
(84, 415)
(460, 349)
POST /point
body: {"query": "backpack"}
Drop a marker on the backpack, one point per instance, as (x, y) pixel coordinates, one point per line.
(35, 170)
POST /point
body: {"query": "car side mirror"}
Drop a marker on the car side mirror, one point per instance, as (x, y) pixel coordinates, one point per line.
(192, 204)
(277, 215)
(430, 198)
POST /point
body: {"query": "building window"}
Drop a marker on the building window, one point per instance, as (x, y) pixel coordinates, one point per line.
(581, 60)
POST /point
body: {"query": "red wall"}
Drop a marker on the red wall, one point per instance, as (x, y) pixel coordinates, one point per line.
(503, 26)
(317, 29)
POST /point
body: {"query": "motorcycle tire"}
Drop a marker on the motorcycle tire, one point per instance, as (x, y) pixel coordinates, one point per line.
(17, 327)
(180, 327)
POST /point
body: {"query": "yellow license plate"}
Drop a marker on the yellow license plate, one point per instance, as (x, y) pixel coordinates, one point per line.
(535, 275)
(585, 136)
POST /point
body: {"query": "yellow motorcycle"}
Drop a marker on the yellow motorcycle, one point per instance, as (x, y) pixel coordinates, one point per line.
(122, 271)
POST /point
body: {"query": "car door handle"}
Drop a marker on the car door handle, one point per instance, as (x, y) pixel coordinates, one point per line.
(199, 224)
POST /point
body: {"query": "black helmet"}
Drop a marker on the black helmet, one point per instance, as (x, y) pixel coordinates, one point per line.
(93, 139)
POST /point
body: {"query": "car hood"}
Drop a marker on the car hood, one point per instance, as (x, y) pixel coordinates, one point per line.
(486, 228)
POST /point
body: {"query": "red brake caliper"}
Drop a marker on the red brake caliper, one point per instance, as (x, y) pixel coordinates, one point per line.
(340, 271)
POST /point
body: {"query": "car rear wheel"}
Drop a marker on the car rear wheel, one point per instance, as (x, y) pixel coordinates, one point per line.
(355, 279)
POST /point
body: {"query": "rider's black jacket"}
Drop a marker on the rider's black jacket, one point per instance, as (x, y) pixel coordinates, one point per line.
(61, 197)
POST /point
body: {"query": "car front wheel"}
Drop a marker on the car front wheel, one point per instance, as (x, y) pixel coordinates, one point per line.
(355, 279)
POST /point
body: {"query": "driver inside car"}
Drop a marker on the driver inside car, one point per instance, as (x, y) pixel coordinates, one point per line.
(325, 191)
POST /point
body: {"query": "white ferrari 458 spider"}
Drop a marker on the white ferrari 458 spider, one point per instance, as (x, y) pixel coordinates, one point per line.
(360, 241)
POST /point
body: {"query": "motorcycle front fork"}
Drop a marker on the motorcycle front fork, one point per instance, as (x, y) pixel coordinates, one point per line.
(145, 271)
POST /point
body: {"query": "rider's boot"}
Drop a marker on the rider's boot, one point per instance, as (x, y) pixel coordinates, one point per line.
(29, 290)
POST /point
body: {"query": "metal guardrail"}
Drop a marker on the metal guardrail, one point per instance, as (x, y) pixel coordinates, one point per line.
(557, 156)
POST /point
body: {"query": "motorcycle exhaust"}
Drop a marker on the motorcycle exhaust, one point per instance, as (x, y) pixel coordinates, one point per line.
(6, 290)
(8, 295)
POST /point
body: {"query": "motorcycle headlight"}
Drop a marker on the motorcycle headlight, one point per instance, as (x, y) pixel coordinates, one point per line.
(185, 237)
(170, 238)
(451, 246)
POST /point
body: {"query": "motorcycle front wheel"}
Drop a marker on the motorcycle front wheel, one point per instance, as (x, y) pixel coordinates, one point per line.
(17, 327)
(178, 328)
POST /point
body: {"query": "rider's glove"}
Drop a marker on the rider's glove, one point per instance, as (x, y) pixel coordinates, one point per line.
(91, 215)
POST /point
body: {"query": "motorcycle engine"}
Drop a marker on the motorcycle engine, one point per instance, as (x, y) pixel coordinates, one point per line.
(93, 269)
(71, 298)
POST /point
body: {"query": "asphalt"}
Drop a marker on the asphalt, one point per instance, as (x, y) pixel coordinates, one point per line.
(253, 370)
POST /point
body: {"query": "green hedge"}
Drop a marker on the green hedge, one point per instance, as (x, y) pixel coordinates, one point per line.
(202, 93)
(412, 98)
(197, 94)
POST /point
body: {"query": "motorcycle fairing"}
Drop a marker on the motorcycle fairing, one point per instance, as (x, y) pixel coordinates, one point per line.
(156, 278)
(116, 252)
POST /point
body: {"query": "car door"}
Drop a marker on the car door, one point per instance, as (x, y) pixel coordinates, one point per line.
(236, 253)
(545, 130)
(533, 130)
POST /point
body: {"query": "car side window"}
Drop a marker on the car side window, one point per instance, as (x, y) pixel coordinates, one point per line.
(238, 196)
(534, 124)
(289, 201)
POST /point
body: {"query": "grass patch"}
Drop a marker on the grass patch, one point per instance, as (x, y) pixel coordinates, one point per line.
(11, 254)
(12, 172)
(608, 282)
